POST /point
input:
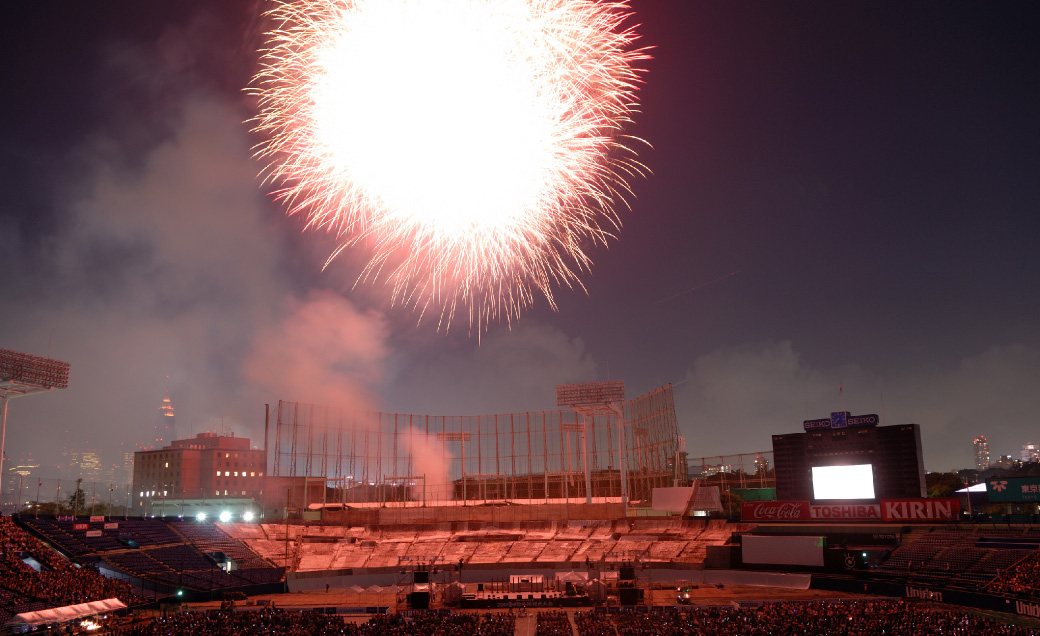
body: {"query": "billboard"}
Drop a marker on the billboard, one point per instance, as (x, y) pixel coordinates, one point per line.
(842, 419)
(843, 482)
(887, 510)
(1013, 489)
(772, 550)
(920, 509)
(845, 512)
(774, 510)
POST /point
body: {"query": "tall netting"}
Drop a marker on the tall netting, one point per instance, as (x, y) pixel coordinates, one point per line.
(393, 457)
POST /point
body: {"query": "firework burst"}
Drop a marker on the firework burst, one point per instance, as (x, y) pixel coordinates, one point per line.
(475, 146)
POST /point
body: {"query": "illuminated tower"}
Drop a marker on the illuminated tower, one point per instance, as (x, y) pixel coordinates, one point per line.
(981, 453)
(165, 422)
(1030, 453)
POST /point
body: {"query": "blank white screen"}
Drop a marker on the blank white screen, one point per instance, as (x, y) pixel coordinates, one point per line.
(843, 482)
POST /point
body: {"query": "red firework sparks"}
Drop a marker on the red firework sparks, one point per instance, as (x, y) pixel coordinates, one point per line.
(476, 146)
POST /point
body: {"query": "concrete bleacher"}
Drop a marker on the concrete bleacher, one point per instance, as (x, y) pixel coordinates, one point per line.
(595, 548)
(559, 551)
(319, 547)
(523, 551)
(156, 550)
(968, 558)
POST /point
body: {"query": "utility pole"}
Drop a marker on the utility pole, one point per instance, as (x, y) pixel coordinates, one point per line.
(75, 498)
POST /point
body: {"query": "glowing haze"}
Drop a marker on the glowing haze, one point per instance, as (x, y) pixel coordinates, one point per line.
(474, 148)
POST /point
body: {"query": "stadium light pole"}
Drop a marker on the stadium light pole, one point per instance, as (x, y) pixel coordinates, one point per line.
(23, 374)
(598, 398)
(459, 436)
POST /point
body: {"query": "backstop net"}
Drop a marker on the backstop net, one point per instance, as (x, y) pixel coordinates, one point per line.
(437, 459)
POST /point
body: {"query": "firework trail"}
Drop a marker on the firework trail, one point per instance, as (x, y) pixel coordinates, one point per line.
(475, 146)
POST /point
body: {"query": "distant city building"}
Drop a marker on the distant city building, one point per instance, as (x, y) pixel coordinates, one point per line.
(1006, 462)
(89, 467)
(1030, 453)
(981, 447)
(18, 480)
(80, 464)
(205, 467)
(165, 422)
(123, 470)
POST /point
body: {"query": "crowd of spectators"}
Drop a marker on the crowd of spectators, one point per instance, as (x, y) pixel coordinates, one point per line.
(57, 583)
(553, 623)
(275, 622)
(1023, 579)
(500, 624)
(594, 624)
(849, 618)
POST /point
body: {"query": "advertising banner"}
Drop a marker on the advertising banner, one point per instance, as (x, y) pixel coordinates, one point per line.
(842, 419)
(112, 525)
(1013, 489)
(888, 510)
(920, 509)
(774, 511)
(93, 533)
(80, 526)
(845, 512)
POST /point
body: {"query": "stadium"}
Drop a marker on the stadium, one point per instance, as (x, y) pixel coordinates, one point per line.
(587, 518)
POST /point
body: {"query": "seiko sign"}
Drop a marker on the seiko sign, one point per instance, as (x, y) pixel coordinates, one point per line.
(842, 419)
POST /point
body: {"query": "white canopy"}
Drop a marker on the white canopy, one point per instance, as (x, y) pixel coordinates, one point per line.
(68, 612)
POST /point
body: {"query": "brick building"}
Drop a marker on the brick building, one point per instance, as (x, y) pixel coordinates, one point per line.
(208, 466)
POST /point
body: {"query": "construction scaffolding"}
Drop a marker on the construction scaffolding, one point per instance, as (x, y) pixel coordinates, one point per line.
(392, 458)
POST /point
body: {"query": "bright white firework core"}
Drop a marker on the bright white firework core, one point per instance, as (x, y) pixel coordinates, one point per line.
(474, 146)
(411, 103)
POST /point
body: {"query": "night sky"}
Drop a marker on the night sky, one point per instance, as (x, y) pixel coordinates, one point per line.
(842, 194)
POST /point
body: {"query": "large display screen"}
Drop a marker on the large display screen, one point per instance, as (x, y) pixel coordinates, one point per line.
(843, 482)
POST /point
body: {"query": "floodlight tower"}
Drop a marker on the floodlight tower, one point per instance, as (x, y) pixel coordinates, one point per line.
(457, 436)
(23, 374)
(592, 399)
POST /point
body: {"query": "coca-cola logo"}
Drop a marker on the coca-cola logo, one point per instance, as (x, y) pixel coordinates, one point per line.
(778, 511)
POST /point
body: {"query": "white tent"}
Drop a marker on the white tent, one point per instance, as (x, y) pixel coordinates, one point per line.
(68, 612)
(572, 577)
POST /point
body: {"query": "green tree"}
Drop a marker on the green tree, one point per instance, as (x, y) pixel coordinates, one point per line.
(943, 484)
(78, 499)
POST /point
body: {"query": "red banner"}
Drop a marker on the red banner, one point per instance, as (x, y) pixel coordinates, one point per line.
(920, 509)
(845, 512)
(80, 526)
(888, 510)
(774, 511)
